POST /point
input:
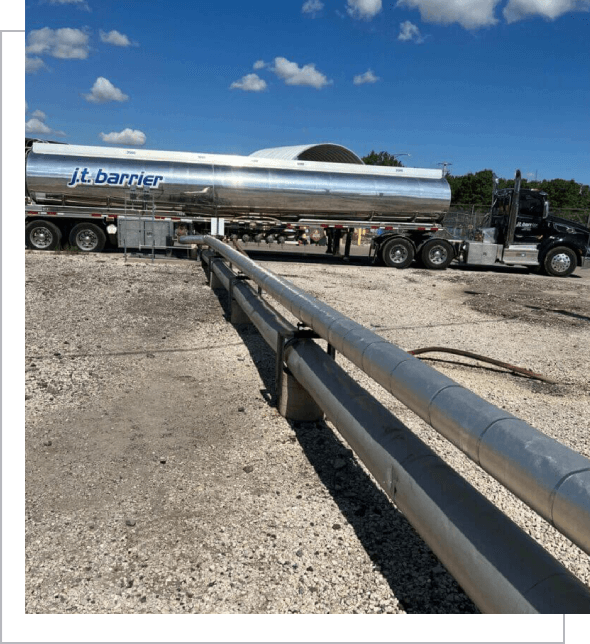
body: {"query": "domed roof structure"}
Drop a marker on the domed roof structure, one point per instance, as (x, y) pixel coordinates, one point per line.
(327, 152)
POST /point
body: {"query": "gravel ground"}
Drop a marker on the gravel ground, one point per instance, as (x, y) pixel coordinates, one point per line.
(160, 479)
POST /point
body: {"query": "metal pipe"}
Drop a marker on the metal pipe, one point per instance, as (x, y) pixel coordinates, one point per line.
(514, 210)
(500, 567)
(551, 478)
(268, 322)
(191, 239)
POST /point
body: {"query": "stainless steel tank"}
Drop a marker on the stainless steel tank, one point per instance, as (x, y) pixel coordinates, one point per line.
(228, 185)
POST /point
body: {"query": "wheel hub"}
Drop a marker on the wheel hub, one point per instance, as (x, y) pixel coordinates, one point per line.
(560, 263)
(398, 254)
(438, 256)
(42, 237)
(87, 240)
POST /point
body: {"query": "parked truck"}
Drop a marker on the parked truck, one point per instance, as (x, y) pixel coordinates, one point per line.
(88, 197)
(519, 230)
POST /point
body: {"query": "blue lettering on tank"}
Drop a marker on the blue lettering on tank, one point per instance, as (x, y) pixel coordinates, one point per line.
(74, 180)
(86, 177)
(101, 177)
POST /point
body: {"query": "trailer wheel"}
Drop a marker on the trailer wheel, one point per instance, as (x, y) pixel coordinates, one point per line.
(398, 252)
(436, 254)
(42, 235)
(560, 261)
(88, 238)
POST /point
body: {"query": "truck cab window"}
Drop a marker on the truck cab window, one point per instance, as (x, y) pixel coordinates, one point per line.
(531, 203)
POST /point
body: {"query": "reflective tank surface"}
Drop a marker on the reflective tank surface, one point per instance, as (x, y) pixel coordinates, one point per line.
(228, 185)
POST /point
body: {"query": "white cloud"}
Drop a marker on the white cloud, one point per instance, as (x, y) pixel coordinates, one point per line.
(292, 74)
(104, 91)
(26, 106)
(126, 136)
(471, 14)
(249, 83)
(409, 32)
(367, 77)
(312, 7)
(115, 38)
(259, 64)
(59, 43)
(550, 9)
(365, 9)
(33, 64)
(82, 3)
(35, 126)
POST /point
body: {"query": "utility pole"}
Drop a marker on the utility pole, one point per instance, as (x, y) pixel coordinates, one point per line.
(445, 164)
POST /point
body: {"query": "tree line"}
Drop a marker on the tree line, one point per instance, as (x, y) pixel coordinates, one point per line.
(476, 188)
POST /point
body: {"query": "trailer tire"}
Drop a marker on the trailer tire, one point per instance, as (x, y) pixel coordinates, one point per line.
(436, 254)
(88, 238)
(397, 252)
(560, 261)
(42, 235)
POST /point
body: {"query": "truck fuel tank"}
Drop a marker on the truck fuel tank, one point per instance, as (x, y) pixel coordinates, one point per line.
(482, 254)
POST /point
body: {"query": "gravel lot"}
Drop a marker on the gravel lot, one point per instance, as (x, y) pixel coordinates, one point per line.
(160, 479)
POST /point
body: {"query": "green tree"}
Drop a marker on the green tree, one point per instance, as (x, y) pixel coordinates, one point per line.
(382, 158)
(561, 193)
(472, 188)
(477, 188)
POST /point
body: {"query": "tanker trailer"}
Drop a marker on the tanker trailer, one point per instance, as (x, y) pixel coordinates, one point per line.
(84, 194)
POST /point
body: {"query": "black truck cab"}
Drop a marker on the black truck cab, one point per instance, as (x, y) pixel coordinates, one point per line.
(522, 220)
(532, 211)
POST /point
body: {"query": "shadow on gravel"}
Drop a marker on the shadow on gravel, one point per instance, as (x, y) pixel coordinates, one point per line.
(306, 258)
(413, 572)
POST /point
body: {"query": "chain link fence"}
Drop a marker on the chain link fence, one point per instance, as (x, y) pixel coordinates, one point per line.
(463, 221)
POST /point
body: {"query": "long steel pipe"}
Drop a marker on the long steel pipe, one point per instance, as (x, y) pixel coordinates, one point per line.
(498, 565)
(551, 478)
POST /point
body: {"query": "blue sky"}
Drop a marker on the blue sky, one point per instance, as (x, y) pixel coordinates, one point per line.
(499, 84)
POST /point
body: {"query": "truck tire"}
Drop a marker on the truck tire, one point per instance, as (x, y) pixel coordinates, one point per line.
(436, 254)
(42, 235)
(560, 261)
(397, 252)
(88, 238)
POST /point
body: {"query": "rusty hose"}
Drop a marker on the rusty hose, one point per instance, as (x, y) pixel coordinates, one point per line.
(476, 356)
